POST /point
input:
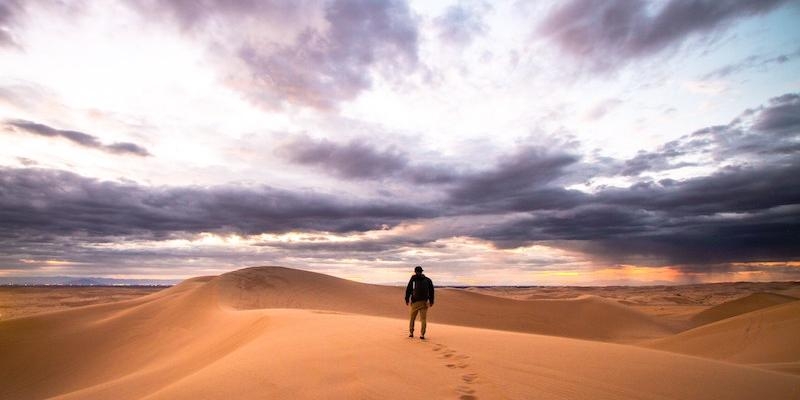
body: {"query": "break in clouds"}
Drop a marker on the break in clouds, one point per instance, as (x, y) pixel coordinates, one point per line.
(746, 209)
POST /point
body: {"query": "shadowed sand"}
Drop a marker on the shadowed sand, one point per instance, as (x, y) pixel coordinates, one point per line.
(275, 332)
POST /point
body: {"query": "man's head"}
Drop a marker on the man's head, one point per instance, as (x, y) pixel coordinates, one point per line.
(418, 270)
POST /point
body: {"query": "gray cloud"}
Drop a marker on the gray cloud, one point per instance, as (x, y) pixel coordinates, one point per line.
(764, 135)
(604, 35)
(330, 59)
(517, 178)
(747, 211)
(750, 63)
(780, 116)
(39, 202)
(360, 159)
(76, 137)
(462, 22)
(323, 68)
(9, 11)
(355, 159)
(725, 217)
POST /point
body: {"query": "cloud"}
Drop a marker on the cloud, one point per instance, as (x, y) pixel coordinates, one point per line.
(780, 116)
(9, 11)
(517, 178)
(356, 159)
(314, 54)
(750, 63)
(604, 36)
(745, 211)
(360, 159)
(725, 217)
(42, 203)
(764, 135)
(602, 108)
(76, 137)
(462, 22)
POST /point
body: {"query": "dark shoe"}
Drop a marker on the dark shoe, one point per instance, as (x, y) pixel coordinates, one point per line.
(410, 335)
(422, 337)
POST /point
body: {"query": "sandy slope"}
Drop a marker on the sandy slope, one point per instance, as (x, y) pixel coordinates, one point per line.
(753, 302)
(210, 338)
(769, 337)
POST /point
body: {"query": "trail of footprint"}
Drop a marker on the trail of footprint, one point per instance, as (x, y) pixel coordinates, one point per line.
(454, 360)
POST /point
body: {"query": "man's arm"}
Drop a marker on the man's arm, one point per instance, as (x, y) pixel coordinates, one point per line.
(430, 297)
(409, 289)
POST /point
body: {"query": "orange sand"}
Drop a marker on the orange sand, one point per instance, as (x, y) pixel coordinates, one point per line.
(281, 333)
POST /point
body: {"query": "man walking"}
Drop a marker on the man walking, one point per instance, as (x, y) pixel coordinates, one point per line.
(420, 291)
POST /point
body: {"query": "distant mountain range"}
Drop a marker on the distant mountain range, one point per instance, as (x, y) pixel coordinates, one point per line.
(84, 281)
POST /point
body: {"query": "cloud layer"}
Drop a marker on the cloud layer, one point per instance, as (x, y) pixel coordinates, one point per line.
(42, 202)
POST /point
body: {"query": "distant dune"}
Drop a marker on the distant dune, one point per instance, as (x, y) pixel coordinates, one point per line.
(769, 337)
(280, 333)
(753, 302)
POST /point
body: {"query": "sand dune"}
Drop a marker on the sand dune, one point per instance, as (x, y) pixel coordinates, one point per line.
(769, 337)
(273, 332)
(587, 317)
(753, 302)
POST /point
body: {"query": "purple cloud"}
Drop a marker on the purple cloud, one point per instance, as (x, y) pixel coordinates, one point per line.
(80, 138)
(604, 35)
(461, 22)
(327, 60)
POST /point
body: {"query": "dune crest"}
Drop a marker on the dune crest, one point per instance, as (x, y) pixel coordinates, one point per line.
(587, 317)
(752, 302)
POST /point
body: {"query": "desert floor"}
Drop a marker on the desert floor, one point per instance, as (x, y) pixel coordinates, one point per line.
(274, 332)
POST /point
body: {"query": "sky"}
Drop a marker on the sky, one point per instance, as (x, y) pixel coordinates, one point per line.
(575, 142)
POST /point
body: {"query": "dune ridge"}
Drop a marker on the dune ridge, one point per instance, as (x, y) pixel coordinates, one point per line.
(767, 337)
(275, 332)
(752, 302)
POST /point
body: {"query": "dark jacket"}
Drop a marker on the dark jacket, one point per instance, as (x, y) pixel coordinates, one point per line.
(416, 282)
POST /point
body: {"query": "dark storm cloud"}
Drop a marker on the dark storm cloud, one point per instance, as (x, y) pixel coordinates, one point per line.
(780, 116)
(76, 137)
(462, 22)
(525, 175)
(730, 216)
(605, 35)
(321, 66)
(41, 202)
(360, 159)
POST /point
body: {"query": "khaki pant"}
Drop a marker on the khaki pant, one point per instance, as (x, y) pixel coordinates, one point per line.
(420, 307)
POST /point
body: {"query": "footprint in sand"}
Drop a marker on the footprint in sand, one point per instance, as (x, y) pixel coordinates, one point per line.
(454, 360)
(466, 393)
